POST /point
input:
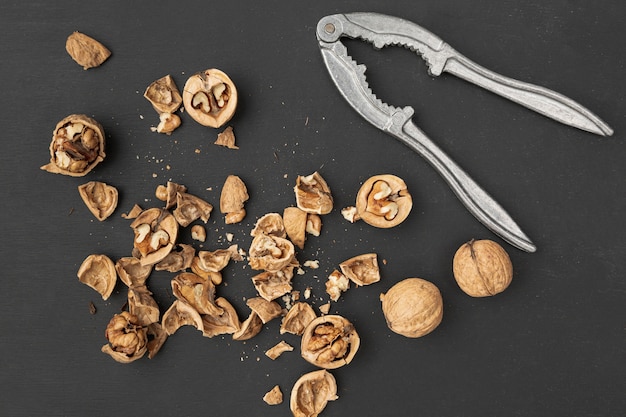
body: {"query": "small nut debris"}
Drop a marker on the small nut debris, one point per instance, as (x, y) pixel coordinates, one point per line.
(482, 268)
(226, 138)
(127, 338)
(100, 198)
(329, 342)
(362, 269)
(350, 214)
(164, 95)
(295, 221)
(413, 307)
(210, 97)
(274, 396)
(168, 122)
(77, 146)
(313, 224)
(311, 393)
(232, 198)
(278, 349)
(98, 272)
(313, 194)
(336, 284)
(383, 201)
(198, 232)
(86, 51)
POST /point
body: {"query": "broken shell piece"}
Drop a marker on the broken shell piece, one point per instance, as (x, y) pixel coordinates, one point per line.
(225, 323)
(383, 201)
(313, 194)
(142, 305)
(168, 122)
(164, 95)
(234, 195)
(249, 328)
(271, 253)
(100, 198)
(336, 284)
(313, 224)
(156, 339)
(226, 138)
(177, 261)
(198, 269)
(297, 319)
(86, 51)
(155, 231)
(269, 224)
(169, 193)
(271, 285)
(311, 393)
(362, 269)
(295, 221)
(274, 396)
(133, 213)
(324, 308)
(329, 342)
(180, 314)
(198, 232)
(132, 272)
(266, 310)
(216, 260)
(127, 338)
(190, 208)
(210, 97)
(278, 349)
(98, 272)
(77, 146)
(196, 291)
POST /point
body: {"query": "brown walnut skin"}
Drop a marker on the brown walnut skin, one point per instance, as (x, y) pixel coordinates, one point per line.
(393, 206)
(413, 307)
(482, 268)
(76, 153)
(205, 102)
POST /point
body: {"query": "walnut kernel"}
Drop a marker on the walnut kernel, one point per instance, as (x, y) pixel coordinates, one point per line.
(329, 342)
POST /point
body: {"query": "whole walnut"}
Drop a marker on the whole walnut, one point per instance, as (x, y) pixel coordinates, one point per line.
(413, 307)
(482, 268)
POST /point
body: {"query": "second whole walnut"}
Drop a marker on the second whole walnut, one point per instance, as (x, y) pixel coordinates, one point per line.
(482, 268)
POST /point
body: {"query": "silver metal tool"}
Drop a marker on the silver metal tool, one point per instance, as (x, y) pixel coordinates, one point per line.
(382, 30)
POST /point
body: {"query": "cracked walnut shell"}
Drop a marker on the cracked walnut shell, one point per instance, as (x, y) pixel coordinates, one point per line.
(210, 97)
(362, 269)
(163, 95)
(86, 51)
(232, 198)
(155, 232)
(313, 194)
(77, 146)
(311, 393)
(128, 339)
(329, 342)
(413, 307)
(98, 272)
(482, 268)
(383, 201)
(271, 253)
(100, 198)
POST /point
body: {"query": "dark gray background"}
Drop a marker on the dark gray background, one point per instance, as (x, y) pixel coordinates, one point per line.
(551, 345)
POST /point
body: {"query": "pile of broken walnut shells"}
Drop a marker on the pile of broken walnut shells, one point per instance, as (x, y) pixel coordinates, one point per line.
(413, 307)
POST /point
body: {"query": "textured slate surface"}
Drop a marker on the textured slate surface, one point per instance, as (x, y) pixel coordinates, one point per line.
(551, 345)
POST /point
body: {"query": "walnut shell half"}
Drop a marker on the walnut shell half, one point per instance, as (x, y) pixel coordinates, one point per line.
(362, 269)
(329, 342)
(313, 194)
(482, 268)
(210, 97)
(100, 198)
(311, 393)
(383, 201)
(98, 272)
(155, 232)
(413, 307)
(77, 146)
(163, 95)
